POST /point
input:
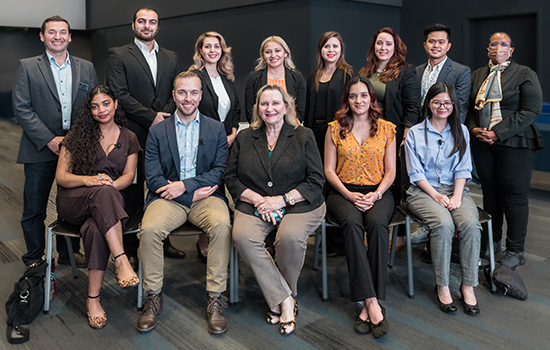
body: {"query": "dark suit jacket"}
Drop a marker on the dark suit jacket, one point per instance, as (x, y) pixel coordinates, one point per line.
(402, 101)
(162, 159)
(334, 98)
(456, 74)
(129, 75)
(209, 101)
(295, 86)
(36, 104)
(520, 106)
(294, 164)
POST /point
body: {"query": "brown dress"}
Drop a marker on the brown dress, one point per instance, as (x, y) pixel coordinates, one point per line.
(98, 208)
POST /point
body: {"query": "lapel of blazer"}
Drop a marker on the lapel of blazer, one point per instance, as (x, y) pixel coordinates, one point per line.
(161, 64)
(75, 72)
(285, 138)
(507, 75)
(136, 52)
(420, 72)
(289, 81)
(210, 87)
(445, 70)
(260, 145)
(44, 67)
(171, 137)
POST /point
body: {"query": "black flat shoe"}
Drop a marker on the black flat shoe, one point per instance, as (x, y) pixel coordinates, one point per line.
(172, 252)
(361, 326)
(471, 310)
(447, 308)
(382, 327)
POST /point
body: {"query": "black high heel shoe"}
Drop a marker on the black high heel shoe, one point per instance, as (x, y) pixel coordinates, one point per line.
(471, 310)
(447, 308)
(381, 327)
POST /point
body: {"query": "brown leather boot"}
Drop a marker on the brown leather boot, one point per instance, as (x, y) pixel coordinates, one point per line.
(217, 323)
(152, 307)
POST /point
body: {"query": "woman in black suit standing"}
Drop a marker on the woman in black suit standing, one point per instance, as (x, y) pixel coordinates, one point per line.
(275, 67)
(325, 85)
(505, 101)
(214, 66)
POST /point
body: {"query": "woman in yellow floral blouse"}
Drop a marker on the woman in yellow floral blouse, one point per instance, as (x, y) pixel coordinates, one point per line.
(360, 161)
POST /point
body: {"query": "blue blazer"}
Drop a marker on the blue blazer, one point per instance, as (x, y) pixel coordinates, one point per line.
(457, 75)
(162, 159)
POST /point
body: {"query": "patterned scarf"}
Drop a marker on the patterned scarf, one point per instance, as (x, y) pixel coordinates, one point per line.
(491, 92)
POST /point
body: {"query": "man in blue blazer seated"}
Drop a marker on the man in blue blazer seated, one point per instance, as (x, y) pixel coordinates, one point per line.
(440, 68)
(47, 96)
(185, 157)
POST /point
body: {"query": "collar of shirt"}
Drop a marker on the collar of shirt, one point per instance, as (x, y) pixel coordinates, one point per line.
(437, 67)
(143, 48)
(54, 62)
(178, 120)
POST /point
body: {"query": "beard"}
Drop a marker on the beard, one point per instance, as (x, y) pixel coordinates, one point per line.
(146, 38)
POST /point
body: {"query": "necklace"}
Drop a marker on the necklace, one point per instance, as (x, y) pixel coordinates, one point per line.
(270, 147)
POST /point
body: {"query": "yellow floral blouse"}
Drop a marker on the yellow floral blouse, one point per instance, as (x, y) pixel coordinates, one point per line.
(362, 164)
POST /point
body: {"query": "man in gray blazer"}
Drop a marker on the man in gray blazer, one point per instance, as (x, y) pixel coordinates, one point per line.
(47, 96)
(141, 75)
(440, 68)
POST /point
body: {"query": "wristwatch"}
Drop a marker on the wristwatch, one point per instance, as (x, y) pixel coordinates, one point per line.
(289, 199)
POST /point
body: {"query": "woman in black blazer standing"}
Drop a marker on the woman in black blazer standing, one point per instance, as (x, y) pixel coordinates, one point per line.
(395, 83)
(325, 85)
(275, 67)
(214, 66)
(505, 101)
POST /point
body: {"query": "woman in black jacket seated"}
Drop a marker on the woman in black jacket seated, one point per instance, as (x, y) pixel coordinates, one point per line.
(97, 160)
(275, 67)
(325, 85)
(275, 175)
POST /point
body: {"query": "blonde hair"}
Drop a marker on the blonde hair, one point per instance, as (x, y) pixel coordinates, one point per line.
(290, 116)
(225, 64)
(260, 62)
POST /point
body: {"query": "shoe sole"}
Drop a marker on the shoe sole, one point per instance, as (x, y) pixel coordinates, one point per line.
(217, 332)
(146, 330)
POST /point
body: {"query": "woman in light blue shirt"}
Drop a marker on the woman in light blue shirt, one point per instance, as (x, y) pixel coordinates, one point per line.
(439, 165)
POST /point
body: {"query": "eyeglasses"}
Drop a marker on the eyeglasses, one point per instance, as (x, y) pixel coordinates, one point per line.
(446, 104)
(496, 43)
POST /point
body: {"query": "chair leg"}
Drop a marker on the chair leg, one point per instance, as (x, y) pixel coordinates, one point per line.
(409, 256)
(392, 247)
(324, 257)
(71, 256)
(47, 284)
(140, 286)
(236, 273)
(231, 273)
(316, 245)
(491, 252)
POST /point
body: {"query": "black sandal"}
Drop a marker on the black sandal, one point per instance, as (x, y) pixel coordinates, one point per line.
(284, 325)
(271, 315)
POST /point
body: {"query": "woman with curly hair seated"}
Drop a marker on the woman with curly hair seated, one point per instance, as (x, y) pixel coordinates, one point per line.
(97, 160)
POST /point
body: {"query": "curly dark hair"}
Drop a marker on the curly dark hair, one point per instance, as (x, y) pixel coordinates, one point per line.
(344, 115)
(82, 141)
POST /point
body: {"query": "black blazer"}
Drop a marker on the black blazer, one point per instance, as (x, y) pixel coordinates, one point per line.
(129, 75)
(402, 100)
(209, 101)
(457, 75)
(334, 98)
(295, 86)
(294, 164)
(520, 106)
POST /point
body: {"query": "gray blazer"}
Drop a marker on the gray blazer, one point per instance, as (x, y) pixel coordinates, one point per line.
(36, 104)
(458, 76)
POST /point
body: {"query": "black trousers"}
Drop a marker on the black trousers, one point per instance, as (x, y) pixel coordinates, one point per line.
(505, 176)
(367, 267)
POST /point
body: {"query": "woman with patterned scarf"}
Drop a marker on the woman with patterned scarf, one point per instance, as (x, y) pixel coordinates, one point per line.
(506, 98)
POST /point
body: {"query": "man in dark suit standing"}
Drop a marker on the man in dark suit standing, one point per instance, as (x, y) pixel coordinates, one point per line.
(141, 75)
(47, 96)
(440, 68)
(185, 158)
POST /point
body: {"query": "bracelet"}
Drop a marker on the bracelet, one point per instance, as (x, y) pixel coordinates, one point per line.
(379, 195)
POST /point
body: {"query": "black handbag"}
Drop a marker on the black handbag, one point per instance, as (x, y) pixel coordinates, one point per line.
(507, 281)
(25, 302)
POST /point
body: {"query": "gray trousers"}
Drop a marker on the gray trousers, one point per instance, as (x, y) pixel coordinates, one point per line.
(442, 224)
(278, 279)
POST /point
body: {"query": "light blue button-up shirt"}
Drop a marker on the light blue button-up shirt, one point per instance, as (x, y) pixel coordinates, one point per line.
(63, 77)
(188, 143)
(427, 153)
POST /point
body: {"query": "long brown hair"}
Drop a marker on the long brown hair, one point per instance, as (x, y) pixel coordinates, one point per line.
(396, 61)
(344, 115)
(225, 63)
(340, 64)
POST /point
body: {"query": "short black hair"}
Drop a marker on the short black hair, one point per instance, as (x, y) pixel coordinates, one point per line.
(55, 18)
(508, 35)
(143, 8)
(437, 27)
